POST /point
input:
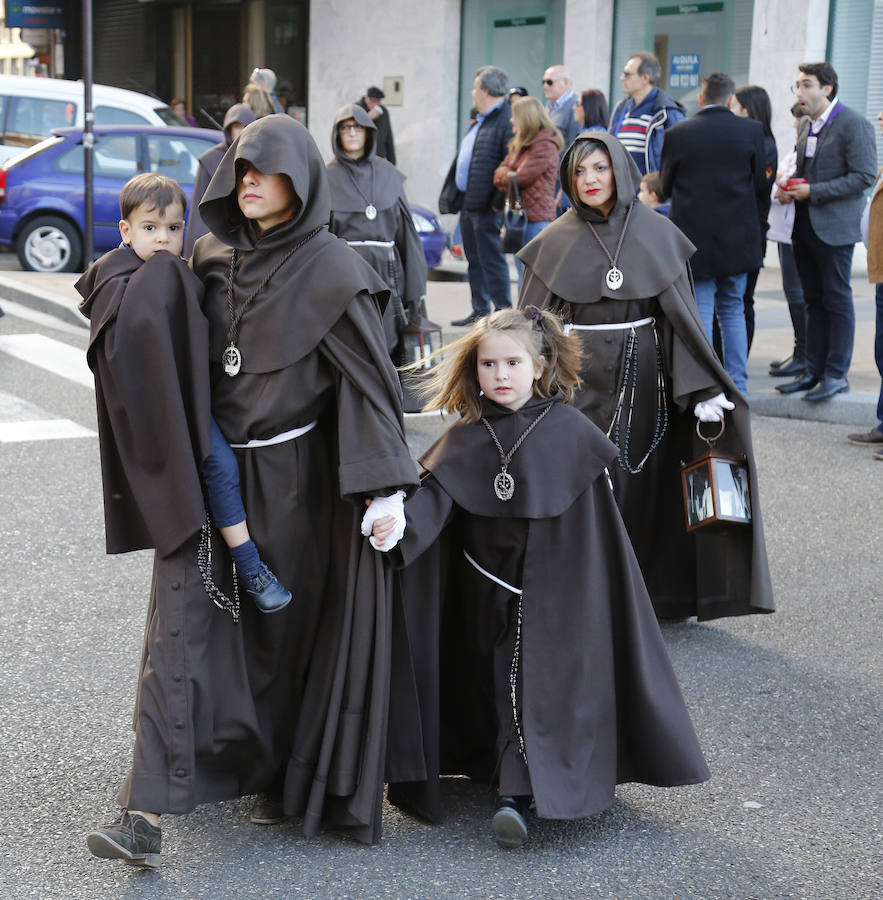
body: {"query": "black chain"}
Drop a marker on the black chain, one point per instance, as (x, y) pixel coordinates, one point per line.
(235, 314)
(204, 562)
(613, 259)
(506, 458)
(630, 384)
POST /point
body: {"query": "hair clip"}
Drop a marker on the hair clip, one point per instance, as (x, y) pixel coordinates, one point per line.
(535, 315)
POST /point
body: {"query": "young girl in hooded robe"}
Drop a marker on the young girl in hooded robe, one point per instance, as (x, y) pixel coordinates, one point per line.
(550, 681)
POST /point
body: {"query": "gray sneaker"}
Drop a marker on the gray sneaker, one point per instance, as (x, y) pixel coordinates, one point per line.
(130, 838)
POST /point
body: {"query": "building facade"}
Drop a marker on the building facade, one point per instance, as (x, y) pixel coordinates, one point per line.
(327, 52)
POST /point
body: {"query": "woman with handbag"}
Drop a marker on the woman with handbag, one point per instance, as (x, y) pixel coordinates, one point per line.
(617, 272)
(527, 175)
(369, 210)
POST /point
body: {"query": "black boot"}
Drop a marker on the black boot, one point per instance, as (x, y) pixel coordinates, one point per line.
(509, 823)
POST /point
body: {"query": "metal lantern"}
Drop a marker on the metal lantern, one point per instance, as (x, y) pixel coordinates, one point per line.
(716, 490)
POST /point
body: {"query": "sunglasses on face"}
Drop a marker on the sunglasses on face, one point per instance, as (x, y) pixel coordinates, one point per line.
(549, 81)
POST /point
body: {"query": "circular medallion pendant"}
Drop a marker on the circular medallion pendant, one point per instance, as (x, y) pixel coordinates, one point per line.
(614, 279)
(232, 360)
(504, 486)
(370, 212)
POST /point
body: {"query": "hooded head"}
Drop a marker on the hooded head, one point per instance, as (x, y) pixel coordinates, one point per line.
(353, 111)
(274, 145)
(238, 114)
(626, 176)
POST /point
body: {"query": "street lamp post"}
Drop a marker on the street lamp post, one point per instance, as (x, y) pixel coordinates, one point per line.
(88, 138)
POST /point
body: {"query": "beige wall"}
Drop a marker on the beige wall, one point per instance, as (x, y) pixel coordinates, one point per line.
(351, 49)
(588, 44)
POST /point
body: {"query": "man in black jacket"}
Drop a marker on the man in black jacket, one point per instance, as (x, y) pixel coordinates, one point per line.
(384, 145)
(713, 170)
(481, 151)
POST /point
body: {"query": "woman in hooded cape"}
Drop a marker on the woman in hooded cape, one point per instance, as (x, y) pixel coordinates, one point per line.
(295, 703)
(671, 366)
(369, 210)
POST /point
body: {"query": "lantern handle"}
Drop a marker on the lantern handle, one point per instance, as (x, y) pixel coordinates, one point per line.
(711, 441)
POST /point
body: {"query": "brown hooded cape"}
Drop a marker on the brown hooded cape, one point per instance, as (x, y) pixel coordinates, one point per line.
(706, 575)
(148, 349)
(208, 164)
(295, 701)
(599, 702)
(402, 266)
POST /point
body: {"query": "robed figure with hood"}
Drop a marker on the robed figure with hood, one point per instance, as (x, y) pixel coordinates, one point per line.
(369, 210)
(235, 119)
(619, 274)
(292, 705)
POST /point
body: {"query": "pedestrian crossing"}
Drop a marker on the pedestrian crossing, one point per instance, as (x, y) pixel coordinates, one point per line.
(22, 421)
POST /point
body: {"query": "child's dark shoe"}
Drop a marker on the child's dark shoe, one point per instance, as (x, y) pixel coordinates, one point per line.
(509, 824)
(263, 587)
(130, 838)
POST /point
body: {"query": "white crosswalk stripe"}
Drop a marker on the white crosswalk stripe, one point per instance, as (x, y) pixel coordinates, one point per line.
(21, 420)
(53, 356)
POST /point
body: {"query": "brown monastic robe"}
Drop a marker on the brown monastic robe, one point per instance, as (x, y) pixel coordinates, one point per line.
(701, 574)
(295, 701)
(598, 702)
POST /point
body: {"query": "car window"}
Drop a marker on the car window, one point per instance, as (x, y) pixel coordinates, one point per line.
(30, 119)
(175, 156)
(115, 156)
(113, 115)
(166, 114)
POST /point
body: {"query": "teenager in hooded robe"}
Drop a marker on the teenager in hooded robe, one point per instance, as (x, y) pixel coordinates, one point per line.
(370, 211)
(294, 709)
(619, 273)
(236, 118)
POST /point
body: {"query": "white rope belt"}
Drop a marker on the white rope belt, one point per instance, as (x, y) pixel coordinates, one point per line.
(611, 326)
(279, 438)
(493, 578)
(371, 243)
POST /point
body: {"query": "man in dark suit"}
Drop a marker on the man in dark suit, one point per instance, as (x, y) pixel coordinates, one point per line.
(482, 149)
(837, 157)
(712, 169)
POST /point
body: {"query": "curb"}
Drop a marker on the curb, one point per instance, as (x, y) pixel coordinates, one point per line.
(857, 409)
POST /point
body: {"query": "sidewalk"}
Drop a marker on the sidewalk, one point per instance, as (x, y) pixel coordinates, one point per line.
(447, 298)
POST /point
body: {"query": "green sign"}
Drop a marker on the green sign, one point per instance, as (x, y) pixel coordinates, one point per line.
(685, 9)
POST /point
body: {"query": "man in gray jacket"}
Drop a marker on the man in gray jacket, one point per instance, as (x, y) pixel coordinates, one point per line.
(837, 158)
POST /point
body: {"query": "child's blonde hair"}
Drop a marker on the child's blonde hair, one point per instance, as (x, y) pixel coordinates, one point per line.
(453, 385)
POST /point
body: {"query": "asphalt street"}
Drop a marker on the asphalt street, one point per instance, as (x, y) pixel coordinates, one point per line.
(787, 708)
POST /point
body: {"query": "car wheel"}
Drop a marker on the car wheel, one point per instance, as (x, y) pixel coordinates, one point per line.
(49, 244)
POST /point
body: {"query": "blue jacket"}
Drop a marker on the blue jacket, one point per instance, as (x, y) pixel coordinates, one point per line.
(666, 112)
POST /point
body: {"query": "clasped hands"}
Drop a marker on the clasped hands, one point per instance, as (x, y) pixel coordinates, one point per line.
(384, 520)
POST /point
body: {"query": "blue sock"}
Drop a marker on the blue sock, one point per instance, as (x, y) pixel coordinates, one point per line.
(246, 557)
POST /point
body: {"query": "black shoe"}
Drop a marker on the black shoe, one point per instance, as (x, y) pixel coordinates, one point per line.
(508, 823)
(267, 810)
(263, 587)
(778, 363)
(867, 438)
(471, 319)
(791, 368)
(130, 838)
(826, 389)
(804, 383)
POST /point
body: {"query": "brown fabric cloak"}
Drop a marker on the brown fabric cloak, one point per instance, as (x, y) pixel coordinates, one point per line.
(148, 347)
(296, 701)
(402, 266)
(599, 703)
(706, 575)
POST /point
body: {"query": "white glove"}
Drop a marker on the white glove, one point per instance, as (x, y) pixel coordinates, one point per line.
(386, 506)
(713, 410)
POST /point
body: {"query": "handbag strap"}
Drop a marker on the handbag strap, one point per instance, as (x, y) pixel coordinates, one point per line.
(513, 195)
